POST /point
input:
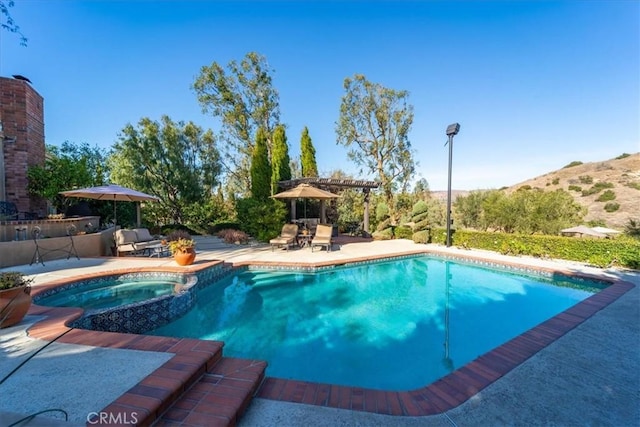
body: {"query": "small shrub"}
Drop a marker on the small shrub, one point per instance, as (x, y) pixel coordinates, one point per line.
(231, 235)
(611, 207)
(572, 164)
(632, 228)
(420, 207)
(386, 234)
(177, 235)
(575, 188)
(622, 156)
(422, 236)
(635, 185)
(606, 196)
(384, 225)
(556, 181)
(586, 179)
(403, 233)
(596, 188)
(525, 187)
(13, 279)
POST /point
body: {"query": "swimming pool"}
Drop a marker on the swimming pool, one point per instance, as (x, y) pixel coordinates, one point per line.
(393, 325)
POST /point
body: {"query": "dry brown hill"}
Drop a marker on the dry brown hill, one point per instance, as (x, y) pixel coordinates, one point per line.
(620, 176)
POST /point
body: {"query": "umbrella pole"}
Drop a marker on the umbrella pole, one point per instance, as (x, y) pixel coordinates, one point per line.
(114, 212)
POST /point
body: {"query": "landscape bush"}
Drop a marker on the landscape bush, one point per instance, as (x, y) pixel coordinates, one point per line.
(635, 185)
(596, 188)
(386, 234)
(230, 235)
(586, 179)
(262, 219)
(611, 207)
(403, 232)
(576, 188)
(622, 251)
(606, 196)
(572, 164)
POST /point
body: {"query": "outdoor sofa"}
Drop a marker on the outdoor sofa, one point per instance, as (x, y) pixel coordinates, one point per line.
(134, 241)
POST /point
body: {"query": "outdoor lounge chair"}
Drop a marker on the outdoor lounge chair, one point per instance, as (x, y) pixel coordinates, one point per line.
(322, 237)
(287, 237)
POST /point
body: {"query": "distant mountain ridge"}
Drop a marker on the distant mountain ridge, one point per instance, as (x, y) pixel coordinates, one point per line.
(587, 182)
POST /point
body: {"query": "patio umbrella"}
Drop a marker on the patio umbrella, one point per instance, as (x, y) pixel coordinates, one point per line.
(605, 230)
(305, 191)
(583, 231)
(110, 192)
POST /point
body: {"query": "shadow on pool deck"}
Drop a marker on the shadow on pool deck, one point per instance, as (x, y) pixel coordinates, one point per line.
(588, 376)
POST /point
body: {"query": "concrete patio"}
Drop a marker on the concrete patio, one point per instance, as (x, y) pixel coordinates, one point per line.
(590, 376)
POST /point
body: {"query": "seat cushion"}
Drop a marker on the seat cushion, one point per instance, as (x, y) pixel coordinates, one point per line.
(143, 234)
(126, 236)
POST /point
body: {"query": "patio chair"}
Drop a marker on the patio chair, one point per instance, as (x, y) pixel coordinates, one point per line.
(287, 237)
(322, 237)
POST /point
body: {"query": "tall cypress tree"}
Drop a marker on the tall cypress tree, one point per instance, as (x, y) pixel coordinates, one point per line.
(308, 155)
(260, 168)
(280, 168)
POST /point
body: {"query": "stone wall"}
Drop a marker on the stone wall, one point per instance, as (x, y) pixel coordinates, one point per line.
(86, 245)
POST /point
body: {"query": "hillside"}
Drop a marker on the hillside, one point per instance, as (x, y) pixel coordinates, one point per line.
(588, 182)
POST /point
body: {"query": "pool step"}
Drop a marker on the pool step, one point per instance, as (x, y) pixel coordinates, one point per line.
(219, 397)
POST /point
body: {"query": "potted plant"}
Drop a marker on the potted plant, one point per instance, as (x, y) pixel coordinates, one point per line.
(182, 247)
(15, 297)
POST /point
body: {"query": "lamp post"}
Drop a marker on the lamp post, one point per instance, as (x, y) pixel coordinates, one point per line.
(452, 130)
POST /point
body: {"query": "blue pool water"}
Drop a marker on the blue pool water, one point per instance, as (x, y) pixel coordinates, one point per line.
(113, 292)
(396, 325)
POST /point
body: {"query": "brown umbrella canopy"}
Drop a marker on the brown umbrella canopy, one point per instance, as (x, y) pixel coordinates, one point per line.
(110, 192)
(305, 191)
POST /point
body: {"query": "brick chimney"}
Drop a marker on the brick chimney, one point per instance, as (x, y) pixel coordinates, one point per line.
(21, 141)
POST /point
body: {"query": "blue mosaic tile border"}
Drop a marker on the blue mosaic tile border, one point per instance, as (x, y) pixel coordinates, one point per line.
(519, 270)
(140, 317)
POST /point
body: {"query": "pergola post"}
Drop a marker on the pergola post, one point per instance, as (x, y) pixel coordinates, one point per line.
(323, 212)
(365, 226)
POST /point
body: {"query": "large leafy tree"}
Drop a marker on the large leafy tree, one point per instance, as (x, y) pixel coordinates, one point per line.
(524, 211)
(260, 168)
(243, 99)
(308, 155)
(280, 161)
(8, 23)
(374, 125)
(67, 167)
(177, 162)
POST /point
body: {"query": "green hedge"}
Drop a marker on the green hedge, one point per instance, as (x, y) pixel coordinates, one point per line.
(622, 251)
(402, 232)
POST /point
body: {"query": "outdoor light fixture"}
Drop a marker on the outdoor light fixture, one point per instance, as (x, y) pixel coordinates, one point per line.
(452, 130)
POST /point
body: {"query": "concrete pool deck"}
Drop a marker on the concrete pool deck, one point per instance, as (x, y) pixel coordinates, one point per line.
(588, 376)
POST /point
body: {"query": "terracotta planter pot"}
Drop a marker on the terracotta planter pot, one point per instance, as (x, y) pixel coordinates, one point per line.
(186, 257)
(14, 304)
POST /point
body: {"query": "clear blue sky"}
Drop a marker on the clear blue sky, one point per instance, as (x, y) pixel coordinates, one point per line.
(535, 85)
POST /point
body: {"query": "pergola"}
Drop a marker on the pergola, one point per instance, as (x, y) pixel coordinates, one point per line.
(334, 186)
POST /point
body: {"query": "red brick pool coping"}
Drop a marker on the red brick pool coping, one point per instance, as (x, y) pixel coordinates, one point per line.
(155, 394)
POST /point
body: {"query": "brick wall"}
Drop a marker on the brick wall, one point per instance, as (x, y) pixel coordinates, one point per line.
(22, 117)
